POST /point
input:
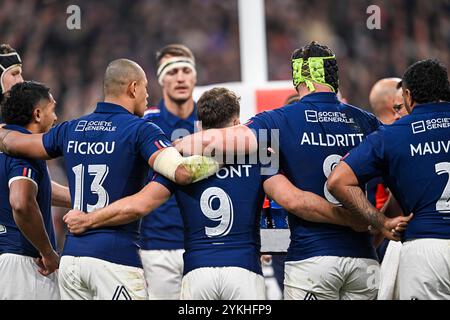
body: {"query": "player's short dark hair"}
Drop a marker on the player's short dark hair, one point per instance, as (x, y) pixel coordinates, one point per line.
(19, 103)
(6, 48)
(175, 50)
(315, 49)
(428, 81)
(217, 107)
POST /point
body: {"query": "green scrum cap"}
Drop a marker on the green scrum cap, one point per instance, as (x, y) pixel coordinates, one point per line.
(310, 70)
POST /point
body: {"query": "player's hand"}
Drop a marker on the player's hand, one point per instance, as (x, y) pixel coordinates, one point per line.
(266, 258)
(47, 263)
(393, 228)
(76, 221)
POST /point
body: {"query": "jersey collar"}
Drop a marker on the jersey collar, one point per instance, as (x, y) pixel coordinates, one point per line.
(323, 97)
(172, 119)
(106, 107)
(431, 107)
(16, 127)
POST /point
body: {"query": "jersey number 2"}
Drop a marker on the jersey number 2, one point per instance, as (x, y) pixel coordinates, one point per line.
(443, 204)
(99, 171)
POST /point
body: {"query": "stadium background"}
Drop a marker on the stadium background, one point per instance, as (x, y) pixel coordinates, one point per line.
(72, 62)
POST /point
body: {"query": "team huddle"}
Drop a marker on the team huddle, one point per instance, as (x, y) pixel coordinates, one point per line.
(161, 210)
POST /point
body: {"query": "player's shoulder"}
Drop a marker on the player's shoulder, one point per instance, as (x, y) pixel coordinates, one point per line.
(152, 112)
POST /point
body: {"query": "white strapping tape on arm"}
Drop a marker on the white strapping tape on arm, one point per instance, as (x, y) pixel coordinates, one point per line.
(167, 162)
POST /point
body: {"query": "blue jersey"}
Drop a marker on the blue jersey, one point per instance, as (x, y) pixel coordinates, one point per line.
(314, 134)
(163, 229)
(11, 238)
(106, 156)
(221, 218)
(412, 155)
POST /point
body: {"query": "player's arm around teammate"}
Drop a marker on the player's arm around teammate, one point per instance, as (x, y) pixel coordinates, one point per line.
(120, 212)
(308, 205)
(344, 185)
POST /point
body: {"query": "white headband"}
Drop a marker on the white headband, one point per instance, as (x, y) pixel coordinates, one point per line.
(173, 63)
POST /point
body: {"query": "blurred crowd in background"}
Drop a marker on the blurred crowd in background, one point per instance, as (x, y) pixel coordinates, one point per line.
(72, 62)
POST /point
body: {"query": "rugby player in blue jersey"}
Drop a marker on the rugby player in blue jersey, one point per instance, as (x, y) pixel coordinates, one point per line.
(324, 261)
(10, 74)
(27, 238)
(412, 155)
(107, 156)
(162, 239)
(221, 215)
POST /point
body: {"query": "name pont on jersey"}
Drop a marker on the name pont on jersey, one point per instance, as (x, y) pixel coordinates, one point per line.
(234, 172)
(429, 148)
(84, 125)
(332, 140)
(90, 148)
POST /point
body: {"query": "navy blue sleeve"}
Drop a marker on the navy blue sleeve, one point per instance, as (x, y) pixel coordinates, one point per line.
(54, 140)
(262, 124)
(151, 139)
(23, 169)
(367, 160)
(165, 182)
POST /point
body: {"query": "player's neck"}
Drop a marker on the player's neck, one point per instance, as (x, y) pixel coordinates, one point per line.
(123, 102)
(303, 91)
(33, 128)
(181, 110)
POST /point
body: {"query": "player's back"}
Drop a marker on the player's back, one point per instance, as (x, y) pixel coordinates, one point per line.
(417, 151)
(221, 218)
(106, 156)
(314, 135)
(11, 238)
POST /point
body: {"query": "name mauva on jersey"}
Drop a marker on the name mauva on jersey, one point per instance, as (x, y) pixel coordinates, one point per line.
(90, 148)
(332, 140)
(428, 148)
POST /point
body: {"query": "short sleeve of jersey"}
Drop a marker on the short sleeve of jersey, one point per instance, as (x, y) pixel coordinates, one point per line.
(262, 124)
(151, 139)
(164, 181)
(22, 169)
(54, 140)
(367, 160)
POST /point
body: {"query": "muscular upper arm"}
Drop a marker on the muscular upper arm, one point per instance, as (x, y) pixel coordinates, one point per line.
(282, 191)
(24, 145)
(22, 194)
(150, 197)
(342, 175)
(237, 139)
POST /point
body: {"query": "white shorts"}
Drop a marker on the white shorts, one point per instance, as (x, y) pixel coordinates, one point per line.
(389, 271)
(424, 270)
(331, 278)
(224, 283)
(163, 271)
(86, 278)
(20, 280)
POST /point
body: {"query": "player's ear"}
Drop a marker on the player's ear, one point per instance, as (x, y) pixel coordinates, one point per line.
(132, 88)
(37, 115)
(409, 102)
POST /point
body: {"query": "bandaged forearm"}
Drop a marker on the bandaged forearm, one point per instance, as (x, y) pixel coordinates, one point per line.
(199, 167)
